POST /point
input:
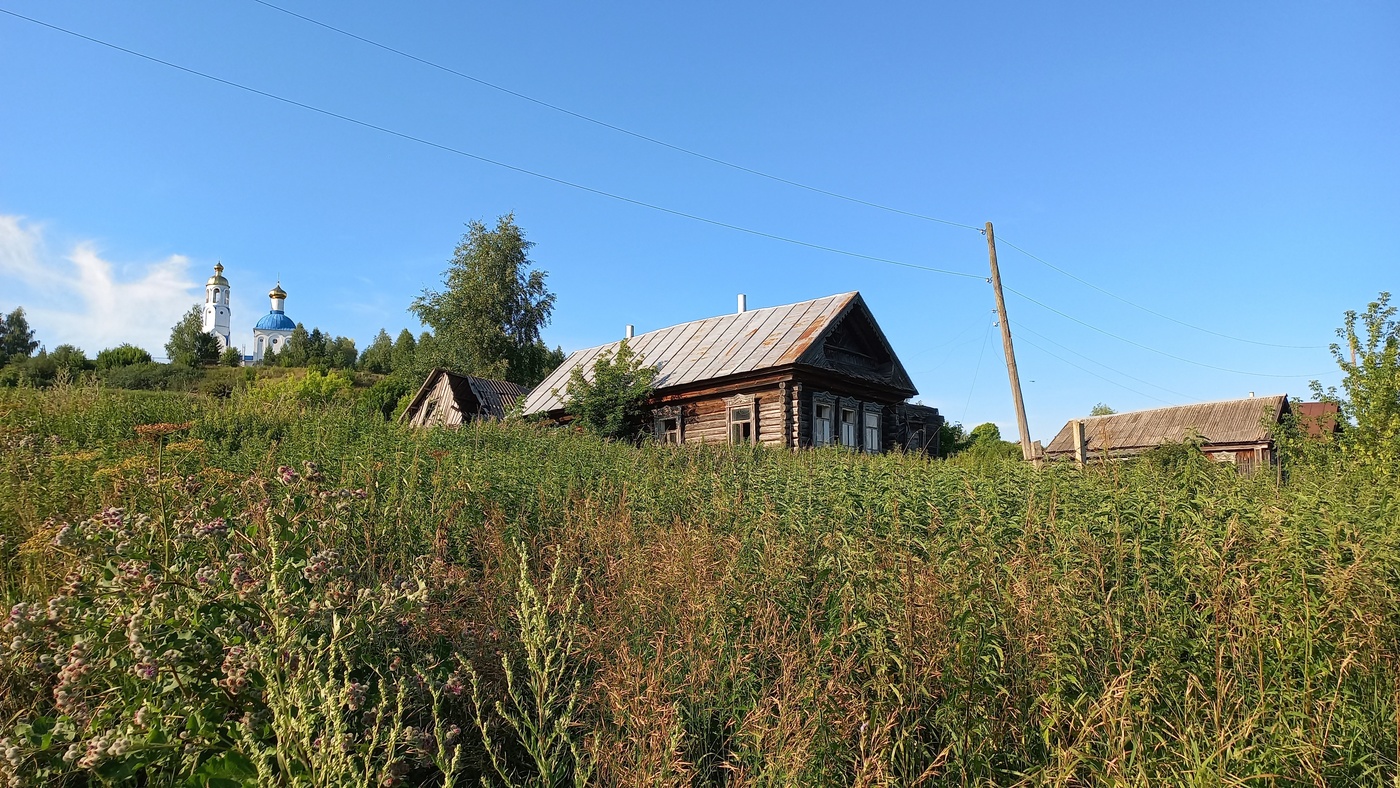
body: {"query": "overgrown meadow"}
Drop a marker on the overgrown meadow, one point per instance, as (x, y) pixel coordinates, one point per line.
(258, 591)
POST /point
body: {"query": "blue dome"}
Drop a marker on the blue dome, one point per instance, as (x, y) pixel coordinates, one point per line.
(276, 320)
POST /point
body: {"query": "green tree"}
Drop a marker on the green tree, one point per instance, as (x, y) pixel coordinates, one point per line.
(1370, 396)
(1101, 409)
(488, 316)
(378, 357)
(341, 353)
(16, 337)
(612, 402)
(190, 345)
(296, 351)
(123, 355)
(231, 357)
(70, 359)
(985, 441)
(402, 359)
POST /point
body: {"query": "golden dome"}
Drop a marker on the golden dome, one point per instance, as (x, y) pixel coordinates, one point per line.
(277, 292)
(218, 277)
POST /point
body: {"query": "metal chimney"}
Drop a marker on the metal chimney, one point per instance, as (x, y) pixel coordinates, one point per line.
(629, 330)
(742, 304)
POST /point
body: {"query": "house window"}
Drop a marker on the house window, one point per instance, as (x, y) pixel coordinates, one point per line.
(848, 427)
(821, 424)
(872, 431)
(668, 430)
(742, 424)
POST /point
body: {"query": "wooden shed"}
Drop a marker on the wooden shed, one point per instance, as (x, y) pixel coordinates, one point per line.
(447, 399)
(814, 373)
(1238, 431)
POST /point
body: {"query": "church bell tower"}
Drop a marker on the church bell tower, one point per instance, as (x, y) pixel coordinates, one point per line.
(217, 317)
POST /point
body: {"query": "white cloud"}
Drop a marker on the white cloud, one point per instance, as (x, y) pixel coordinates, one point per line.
(82, 299)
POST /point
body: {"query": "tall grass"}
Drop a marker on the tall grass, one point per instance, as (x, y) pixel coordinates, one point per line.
(754, 617)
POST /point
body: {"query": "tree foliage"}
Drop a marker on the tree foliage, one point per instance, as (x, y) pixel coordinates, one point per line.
(314, 348)
(190, 345)
(123, 355)
(1370, 396)
(612, 402)
(1102, 409)
(379, 356)
(487, 318)
(16, 337)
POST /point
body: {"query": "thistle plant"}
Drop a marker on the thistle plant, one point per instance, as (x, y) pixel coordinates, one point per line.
(224, 644)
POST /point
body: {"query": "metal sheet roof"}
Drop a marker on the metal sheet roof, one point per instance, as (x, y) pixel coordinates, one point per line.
(712, 348)
(495, 396)
(1231, 421)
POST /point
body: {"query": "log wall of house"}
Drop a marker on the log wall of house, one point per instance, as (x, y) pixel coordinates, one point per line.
(706, 420)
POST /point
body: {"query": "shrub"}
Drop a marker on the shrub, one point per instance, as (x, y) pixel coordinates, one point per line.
(611, 402)
(121, 356)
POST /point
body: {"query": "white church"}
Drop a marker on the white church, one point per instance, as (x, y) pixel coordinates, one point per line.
(270, 332)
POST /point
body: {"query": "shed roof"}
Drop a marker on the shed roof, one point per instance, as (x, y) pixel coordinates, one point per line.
(1227, 422)
(493, 398)
(719, 347)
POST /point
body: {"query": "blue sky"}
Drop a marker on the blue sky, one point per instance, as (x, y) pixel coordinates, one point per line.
(1230, 167)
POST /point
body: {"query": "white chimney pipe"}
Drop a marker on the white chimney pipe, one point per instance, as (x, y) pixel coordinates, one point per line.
(1251, 395)
(629, 330)
(742, 304)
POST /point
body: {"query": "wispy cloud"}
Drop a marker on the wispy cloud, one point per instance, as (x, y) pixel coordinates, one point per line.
(80, 298)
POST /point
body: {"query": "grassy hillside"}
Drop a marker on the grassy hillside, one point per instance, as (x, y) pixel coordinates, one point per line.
(297, 594)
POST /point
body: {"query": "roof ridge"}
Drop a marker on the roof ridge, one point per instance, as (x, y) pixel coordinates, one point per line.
(1187, 405)
(718, 317)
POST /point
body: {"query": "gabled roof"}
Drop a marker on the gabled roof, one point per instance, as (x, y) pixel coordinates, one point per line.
(475, 397)
(1229, 422)
(736, 344)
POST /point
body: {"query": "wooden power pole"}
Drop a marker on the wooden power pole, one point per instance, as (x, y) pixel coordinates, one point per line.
(1027, 452)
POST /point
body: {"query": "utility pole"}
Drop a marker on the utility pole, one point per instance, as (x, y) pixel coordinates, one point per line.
(1027, 452)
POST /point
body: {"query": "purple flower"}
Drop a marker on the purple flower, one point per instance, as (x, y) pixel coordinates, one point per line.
(215, 527)
(287, 474)
(146, 670)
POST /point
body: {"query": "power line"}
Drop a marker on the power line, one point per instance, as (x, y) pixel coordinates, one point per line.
(486, 160)
(1095, 374)
(972, 388)
(1021, 326)
(752, 171)
(1148, 310)
(611, 126)
(1149, 348)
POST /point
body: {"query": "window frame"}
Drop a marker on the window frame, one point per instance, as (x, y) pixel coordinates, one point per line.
(738, 403)
(867, 415)
(662, 435)
(854, 423)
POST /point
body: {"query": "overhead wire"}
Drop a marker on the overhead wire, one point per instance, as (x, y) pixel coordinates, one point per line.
(1095, 374)
(487, 160)
(753, 171)
(1148, 348)
(972, 387)
(1021, 326)
(649, 205)
(1148, 310)
(612, 126)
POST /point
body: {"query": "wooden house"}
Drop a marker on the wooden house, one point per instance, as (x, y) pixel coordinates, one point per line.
(1237, 431)
(1319, 419)
(447, 399)
(814, 373)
